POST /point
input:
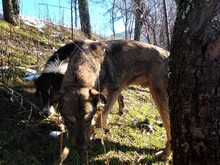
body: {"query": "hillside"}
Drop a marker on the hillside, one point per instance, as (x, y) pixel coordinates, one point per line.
(25, 139)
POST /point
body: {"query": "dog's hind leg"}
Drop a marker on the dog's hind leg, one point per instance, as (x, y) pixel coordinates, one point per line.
(158, 90)
(111, 99)
(121, 104)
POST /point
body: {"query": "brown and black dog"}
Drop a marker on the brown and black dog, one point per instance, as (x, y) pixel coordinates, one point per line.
(50, 80)
(101, 70)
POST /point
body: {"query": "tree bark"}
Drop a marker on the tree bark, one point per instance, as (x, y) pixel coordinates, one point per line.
(75, 12)
(71, 11)
(194, 84)
(126, 19)
(85, 17)
(11, 10)
(138, 20)
(166, 24)
(112, 21)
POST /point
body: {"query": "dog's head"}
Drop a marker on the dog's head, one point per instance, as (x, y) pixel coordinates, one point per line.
(46, 85)
(78, 107)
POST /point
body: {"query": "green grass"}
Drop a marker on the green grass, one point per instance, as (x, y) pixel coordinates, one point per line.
(127, 140)
(132, 138)
(24, 133)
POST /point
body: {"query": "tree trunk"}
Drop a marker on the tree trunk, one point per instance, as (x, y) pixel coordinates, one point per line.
(126, 19)
(194, 84)
(75, 12)
(11, 11)
(85, 18)
(71, 11)
(138, 20)
(166, 24)
(112, 21)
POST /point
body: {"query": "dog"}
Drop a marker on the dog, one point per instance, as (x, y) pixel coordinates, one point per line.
(100, 70)
(49, 82)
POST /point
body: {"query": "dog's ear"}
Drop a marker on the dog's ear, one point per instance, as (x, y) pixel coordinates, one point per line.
(97, 96)
(56, 98)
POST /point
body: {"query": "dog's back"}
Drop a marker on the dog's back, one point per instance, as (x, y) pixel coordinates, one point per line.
(116, 62)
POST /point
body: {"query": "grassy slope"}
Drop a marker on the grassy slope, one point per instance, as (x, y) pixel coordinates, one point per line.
(24, 131)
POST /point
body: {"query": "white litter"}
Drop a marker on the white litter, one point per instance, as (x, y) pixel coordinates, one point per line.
(4, 67)
(31, 71)
(55, 133)
(31, 76)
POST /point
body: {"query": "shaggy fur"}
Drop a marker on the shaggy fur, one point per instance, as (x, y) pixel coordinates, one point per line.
(109, 67)
(50, 80)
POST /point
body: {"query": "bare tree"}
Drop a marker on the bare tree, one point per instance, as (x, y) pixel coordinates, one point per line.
(121, 9)
(11, 11)
(71, 12)
(84, 17)
(130, 26)
(143, 17)
(124, 11)
(73, 15)
(113, 17)
(166, 24)
(152, 20)
(156, 23)
(138, 19)
(194, 85)
(74, 3)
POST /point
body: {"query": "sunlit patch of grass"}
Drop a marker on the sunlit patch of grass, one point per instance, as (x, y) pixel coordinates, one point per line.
(126, 139)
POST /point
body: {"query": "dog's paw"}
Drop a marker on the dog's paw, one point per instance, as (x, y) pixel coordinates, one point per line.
(101, 121)
(120, 112)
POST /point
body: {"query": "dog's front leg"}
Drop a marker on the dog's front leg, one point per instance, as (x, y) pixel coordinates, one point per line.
(111, 99)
